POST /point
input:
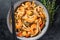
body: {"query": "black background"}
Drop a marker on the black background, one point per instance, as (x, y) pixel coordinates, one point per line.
(53, 32)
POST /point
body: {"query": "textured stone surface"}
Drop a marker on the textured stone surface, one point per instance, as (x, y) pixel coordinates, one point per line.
(53, 32)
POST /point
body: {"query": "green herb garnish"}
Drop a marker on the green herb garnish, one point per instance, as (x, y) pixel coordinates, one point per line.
(50, 5)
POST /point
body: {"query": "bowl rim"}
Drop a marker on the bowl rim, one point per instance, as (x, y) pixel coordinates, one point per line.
(46, 25)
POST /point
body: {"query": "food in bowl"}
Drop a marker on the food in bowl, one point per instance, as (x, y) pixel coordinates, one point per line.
(30, 19)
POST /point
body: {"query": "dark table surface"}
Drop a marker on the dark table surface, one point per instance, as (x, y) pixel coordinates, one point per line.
(53, 32)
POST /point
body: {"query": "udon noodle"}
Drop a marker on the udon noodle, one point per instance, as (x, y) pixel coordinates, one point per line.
(29, 19)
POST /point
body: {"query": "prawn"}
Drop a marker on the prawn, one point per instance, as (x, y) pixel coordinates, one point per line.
(34, 29)
(29, 12)
(18, 25)
(27, 4)
(30, 19)
(20, 11)
(24, 33)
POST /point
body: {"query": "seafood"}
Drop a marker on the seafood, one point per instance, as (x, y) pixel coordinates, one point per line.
(30, 18)
(34, 29)
(18, 25)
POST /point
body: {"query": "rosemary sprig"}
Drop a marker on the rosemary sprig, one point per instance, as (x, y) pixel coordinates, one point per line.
(50, 7)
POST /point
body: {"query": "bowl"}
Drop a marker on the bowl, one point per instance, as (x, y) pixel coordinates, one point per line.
(43, 30)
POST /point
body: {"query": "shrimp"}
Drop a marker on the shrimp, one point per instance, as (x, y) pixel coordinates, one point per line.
(27, 4)
(34, 29)
(29, 12)
(17, 17)
(21, 8)
(26, 34)
(21, 11)
(33, 26)
(31, 30)
(19, 34)
(30, 19)
(18, 25)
